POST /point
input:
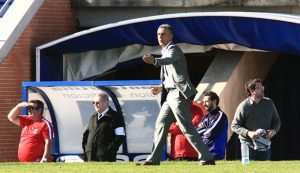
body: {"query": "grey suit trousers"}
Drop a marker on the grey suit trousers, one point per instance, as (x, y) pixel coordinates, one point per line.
(176, 108)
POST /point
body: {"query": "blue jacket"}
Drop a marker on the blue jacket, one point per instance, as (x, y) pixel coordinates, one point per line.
(213, 129)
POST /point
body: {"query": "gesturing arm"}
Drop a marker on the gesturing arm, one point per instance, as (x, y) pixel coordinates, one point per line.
(13, 115)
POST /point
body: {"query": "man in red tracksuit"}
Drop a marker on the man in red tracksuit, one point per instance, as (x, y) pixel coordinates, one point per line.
(181, 149)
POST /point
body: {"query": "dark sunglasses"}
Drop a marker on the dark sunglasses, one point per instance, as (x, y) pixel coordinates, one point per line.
(95, 103)
(30, 108)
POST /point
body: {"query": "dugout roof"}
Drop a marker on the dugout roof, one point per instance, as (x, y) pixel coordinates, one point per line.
(96, 50)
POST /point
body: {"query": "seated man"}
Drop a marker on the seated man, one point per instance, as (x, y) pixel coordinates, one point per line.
(181, 149)
(213, 126)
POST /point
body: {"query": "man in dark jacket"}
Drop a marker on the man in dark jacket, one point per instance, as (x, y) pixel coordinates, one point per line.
(105, 132)
(214, 126)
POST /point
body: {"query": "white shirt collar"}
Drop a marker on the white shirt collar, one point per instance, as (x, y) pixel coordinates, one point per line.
(104, 112)
(164, 48)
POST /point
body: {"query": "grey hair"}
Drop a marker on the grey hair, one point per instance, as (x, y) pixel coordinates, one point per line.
(103, 96)
(167, 27)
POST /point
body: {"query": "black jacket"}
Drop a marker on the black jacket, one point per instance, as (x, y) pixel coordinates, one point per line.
(99, 140)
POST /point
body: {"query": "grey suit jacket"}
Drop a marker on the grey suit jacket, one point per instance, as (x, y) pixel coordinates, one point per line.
(176, 68)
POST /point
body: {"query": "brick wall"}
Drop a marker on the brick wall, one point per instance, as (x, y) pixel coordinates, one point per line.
(53, 20)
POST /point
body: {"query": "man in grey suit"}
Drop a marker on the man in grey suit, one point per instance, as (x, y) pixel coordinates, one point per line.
(179, 93)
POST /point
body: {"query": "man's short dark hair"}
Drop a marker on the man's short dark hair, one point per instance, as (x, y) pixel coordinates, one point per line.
(39, 104)
(212, 96)
(250, 85)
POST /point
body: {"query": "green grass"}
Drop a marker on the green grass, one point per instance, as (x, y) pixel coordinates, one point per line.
(165, 167)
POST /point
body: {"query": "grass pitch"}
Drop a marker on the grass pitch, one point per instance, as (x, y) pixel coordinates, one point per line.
(165, 167)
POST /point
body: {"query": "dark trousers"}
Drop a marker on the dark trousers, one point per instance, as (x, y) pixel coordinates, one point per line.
(259, 155)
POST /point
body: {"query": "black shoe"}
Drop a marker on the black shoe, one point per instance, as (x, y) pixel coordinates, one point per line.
(210, 162)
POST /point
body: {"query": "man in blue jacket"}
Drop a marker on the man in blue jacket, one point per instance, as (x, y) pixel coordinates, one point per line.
(214, 126)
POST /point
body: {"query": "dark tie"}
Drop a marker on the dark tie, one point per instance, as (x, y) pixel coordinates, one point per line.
(165, 70)
(99, 116)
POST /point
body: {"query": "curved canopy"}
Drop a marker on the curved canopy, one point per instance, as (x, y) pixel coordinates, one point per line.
(131, 38)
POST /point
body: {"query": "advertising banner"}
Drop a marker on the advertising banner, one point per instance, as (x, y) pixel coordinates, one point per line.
(72, 107)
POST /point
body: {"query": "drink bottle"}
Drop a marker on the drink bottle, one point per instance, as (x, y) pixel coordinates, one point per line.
(245, 154)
